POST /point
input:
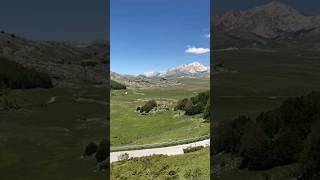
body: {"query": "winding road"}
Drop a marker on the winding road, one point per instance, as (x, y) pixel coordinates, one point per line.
(171, 150)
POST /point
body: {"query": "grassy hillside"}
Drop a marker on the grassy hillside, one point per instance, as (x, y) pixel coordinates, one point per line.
(65, 63)
(193, 165)
(16, 76)
(44, 140)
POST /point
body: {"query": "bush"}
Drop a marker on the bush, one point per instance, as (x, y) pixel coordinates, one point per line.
(148, 106)
(310, 158)
(181, 104)
(287, 148)
(16, 76)
(116, 86)
(90, 149)
(206, 113)
(256, 149)
(102, 151)
(194, 105)
(194, 109)
(192, 149)
(201, 99)
(227, 134)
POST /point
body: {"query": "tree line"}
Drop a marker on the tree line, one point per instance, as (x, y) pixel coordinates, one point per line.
(16, 76)
(287, 134)
(196, 105)
(117, 86)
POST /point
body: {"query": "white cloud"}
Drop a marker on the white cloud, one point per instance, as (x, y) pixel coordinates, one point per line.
(195, 50)
(208, 35)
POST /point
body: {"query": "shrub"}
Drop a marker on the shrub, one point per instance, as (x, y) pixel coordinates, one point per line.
(256, 149)
(192, 149)
(287, 148)
(201, 99)
(181, 104)
(102, 151)
(148, 106)
(194, 105)
(227, 134)
(90, 149)
(310, 158)
(206, 113)
(222, 137)
(194, 109)
(117, 86)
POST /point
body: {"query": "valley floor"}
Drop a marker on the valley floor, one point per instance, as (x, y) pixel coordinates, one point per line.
(46, 137)
(129, 127)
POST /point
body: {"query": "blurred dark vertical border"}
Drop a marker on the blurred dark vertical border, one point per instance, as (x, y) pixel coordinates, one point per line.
(108, 81)
(211, 83)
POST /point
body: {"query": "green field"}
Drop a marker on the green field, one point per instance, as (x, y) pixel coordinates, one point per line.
(42, 141)
(129, 127)
(193, 165)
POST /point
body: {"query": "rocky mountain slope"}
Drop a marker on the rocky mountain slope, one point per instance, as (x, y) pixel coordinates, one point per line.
(194, 68)
(65, 63)
(269, 25)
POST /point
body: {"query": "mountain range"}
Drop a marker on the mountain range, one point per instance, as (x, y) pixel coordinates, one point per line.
(271, 25)
(194, 68)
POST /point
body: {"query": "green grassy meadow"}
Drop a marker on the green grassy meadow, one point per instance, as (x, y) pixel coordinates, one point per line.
(47, 141)
(129, 127)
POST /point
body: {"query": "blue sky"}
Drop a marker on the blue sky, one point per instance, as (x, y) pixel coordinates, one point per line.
(57, 20)
(153, 35)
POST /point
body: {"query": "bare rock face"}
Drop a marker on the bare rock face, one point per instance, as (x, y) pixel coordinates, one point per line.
(64, 63)
(265, 23)
(185, 69)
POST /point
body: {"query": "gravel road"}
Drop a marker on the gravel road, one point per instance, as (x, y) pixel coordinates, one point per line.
(172, 150)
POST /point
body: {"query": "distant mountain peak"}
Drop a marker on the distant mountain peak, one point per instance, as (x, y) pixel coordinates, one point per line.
(263, 24)
(191, 68)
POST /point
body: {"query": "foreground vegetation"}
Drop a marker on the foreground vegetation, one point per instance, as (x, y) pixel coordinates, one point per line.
(282, 136)
(193, 165)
